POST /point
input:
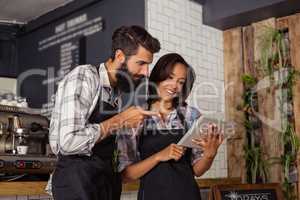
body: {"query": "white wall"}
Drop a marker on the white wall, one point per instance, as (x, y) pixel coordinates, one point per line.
(8, 85)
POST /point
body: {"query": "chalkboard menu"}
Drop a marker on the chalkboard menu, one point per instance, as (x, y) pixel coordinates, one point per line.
(48, 53)
(248, 192)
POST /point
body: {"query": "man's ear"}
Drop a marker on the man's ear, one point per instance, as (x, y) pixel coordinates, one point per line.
(120, 56)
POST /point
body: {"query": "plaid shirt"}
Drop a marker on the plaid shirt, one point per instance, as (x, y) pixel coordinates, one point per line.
(128, 145)
(76, 98)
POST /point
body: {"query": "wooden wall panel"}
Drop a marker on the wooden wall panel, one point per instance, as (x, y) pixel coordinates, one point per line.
(241, 53)
(233, 70)
(282, 23)
(248, 51)
(270, 138)
(294, 35)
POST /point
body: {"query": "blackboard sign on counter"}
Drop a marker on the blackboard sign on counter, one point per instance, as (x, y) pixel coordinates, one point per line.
(270, 191)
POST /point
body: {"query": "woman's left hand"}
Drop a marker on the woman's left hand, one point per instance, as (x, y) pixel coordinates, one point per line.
(211, 142)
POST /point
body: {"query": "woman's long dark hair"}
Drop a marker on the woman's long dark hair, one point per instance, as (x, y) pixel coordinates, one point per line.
(162, 71)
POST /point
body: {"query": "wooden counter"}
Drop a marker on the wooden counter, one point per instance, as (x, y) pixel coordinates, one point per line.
(203, 183)
(37, 188)
(22, 188)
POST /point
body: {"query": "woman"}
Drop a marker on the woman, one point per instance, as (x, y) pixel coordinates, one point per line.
(165, 169)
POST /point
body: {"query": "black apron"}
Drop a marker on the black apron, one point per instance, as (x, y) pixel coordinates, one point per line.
(90, 177)
(167, 180)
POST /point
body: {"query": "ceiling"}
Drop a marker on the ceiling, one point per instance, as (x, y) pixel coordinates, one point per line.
(23, 11)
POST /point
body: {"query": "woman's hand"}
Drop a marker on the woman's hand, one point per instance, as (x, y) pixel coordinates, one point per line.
(211, 142)
(139, 169)
(173, 151)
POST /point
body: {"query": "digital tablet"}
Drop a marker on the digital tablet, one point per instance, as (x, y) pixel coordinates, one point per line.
(200, 127)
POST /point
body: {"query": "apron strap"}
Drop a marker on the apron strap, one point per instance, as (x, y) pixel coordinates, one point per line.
(181, 117)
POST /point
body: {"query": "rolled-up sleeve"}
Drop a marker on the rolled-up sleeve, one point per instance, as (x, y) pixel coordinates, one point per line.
(128, 150)
(76, 135)
(196, 155)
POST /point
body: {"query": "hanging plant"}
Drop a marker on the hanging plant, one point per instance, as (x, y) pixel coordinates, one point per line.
(256, 167)
(275, 56)
(274, 53)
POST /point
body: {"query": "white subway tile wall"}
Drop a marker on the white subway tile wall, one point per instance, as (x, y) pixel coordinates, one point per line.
(178, 26)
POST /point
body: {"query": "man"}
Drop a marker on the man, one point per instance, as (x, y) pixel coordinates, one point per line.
(87, 115)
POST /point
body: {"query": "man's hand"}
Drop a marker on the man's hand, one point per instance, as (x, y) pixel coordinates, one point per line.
(132, 117)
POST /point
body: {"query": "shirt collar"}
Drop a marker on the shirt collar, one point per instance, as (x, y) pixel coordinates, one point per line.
(172, 121)
(103, 73)
(109, 95)
(170, 117)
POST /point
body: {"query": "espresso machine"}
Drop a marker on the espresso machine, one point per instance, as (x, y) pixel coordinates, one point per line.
(24, 145)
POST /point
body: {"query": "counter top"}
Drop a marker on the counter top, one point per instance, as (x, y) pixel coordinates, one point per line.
(37, 187)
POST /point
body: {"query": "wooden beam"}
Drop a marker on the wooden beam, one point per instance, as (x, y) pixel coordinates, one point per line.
(282, 23)
(268, 108)
(248, 51)
(294, 36)
(233, 70)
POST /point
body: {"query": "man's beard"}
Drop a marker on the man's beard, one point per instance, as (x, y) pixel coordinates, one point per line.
(126, 81)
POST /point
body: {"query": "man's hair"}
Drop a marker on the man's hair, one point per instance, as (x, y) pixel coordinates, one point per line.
(128, 39)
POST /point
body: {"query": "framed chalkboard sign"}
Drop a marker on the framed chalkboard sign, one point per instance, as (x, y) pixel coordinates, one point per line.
(248, 191)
